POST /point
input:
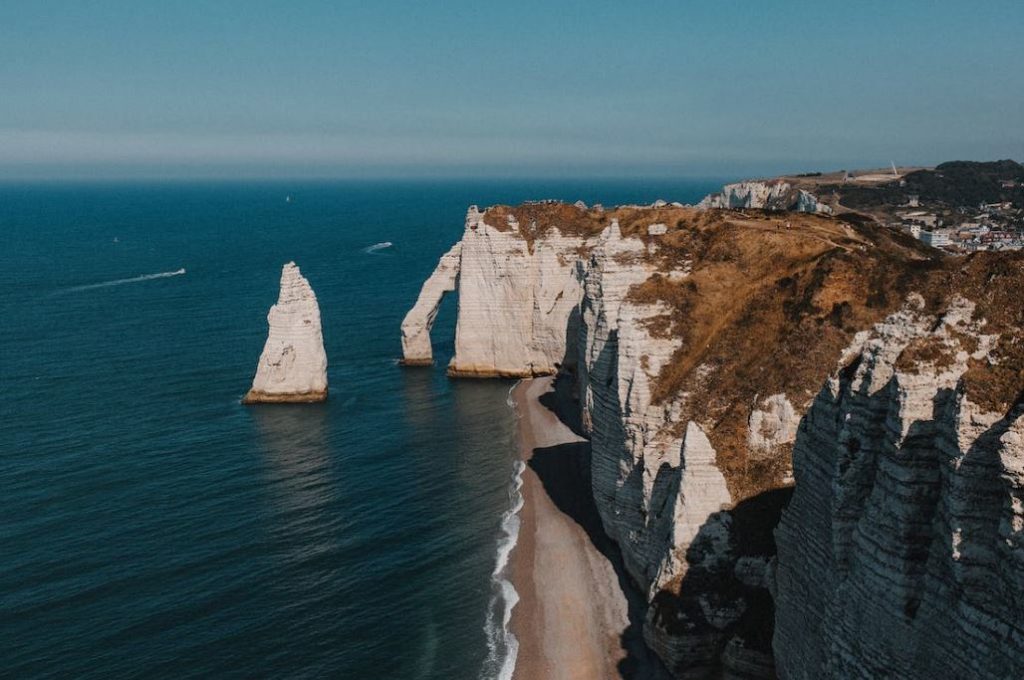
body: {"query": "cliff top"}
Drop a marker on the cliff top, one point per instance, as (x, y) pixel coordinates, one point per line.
(772, 300)
(769, 308)
(538, 219)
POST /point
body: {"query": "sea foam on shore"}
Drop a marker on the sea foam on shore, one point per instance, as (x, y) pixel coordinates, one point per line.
(502, 644)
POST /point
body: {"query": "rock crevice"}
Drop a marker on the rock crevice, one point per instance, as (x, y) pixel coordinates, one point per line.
(697, 342)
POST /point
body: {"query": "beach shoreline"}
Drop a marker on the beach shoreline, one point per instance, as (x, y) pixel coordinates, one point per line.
(574, 618)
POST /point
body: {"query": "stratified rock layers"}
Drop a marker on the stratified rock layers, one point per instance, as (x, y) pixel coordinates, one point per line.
(416, 349)
(902, 552)
(654, 486)
(765, 195)
(293, 365)
(516, 302)
(698, 341)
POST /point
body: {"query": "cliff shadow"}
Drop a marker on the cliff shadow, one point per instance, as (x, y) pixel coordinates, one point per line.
(564, 399)
(946, 491)
(564, 402)
(564, 471)
(722, 607)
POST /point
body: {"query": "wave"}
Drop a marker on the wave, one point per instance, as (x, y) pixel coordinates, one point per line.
(502, 645)
(118, 282)
(377, 246)
(510, 401)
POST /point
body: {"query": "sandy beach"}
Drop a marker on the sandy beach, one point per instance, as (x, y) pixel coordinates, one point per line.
(576, 617)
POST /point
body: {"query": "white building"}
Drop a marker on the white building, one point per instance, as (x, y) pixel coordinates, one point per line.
(936, 238)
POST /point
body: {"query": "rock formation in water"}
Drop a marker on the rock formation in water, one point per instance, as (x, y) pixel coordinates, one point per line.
(698, 341)
(527, 289)
(766, 195)
(293, 365)
(416, 348)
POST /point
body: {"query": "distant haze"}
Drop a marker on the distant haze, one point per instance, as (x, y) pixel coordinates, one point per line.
(459, 89)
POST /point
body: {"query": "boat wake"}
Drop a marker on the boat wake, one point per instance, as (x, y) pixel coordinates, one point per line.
(118, 282)
(376, 247)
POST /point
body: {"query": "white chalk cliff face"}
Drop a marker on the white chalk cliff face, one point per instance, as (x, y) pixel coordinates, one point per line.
(902, 551)
(768, 195)
(416, 349)
(293, 365)
(515, 303)
(564, 304)
(902, 547)
(653, 485)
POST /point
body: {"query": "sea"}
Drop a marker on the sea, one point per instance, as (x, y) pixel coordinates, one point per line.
(153, 527)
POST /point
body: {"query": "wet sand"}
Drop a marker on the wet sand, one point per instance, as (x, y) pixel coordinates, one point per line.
(573, 619)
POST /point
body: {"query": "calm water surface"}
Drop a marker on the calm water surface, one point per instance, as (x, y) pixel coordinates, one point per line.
(151, 526)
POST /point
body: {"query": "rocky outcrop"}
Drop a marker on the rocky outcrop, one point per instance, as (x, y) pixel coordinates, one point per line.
(529, 291)
(698, 342)
(293, 365)
(902, 552)
(416, 348)
(654, 486)
(766, 195)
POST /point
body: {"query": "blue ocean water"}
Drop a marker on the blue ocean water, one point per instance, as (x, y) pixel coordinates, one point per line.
(151, 526)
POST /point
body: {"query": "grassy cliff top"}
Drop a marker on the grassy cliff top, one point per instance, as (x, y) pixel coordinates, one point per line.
(538, 219)
(772, 300)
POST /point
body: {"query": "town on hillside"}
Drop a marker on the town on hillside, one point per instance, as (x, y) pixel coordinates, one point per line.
(960, 206)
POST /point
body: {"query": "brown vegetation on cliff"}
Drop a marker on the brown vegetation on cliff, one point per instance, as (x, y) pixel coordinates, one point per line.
(538, 219)
(772, 300)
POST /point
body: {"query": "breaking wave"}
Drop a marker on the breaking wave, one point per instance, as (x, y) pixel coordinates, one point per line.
(502, 645)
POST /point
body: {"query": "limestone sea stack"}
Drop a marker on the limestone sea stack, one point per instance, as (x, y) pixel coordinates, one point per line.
(293, 366)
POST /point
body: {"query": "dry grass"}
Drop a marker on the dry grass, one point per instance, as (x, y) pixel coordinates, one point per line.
(768, 309)
(538, 219)
(773, 299)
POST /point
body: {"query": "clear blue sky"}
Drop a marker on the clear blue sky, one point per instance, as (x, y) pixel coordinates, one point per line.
(460, 87)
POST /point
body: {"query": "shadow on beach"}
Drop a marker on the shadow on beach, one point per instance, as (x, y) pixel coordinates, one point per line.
(564, 471)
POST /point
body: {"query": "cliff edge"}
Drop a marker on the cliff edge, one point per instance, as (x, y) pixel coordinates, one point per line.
(698, 342)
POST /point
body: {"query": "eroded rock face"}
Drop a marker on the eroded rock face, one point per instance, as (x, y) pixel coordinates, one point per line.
(902, 552)
(654, 485)
(766, 195)
(518, 302)
(416, 349)
(698, 341)
(293, 365)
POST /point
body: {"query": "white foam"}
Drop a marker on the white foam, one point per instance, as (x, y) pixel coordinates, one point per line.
(502, 645)
(510, 400)
(378, 246)
(510, 522)
(118, 282)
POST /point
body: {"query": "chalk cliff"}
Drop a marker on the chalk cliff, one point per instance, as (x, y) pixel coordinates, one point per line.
(516, 298)
(902, 552)
(416, 348)
(766, 195)
(698, 342)
(293, 365)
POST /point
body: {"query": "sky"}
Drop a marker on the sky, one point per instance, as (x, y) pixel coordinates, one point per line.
(470, 88)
